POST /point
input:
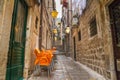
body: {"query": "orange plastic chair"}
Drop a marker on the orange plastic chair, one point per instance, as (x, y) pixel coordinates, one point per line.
(43, 61)
(49, 54)
(43, 57)
(37, 54)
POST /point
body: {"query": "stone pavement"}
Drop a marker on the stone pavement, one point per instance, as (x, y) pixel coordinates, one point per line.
(65, 69)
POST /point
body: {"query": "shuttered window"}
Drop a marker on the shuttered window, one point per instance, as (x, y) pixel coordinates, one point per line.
(79, 35)
(36, 22)
(93, 27)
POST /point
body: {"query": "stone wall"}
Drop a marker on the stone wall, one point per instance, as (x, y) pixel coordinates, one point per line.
(32, 34)
(1, 14)
(6, 9)
(96, 51)
(32, 37)
(46, 28)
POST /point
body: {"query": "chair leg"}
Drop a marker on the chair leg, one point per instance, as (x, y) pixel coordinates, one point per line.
(53, 65)
(48, 69)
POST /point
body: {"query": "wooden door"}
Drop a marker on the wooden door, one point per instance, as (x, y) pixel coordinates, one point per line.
(114, 9)
(74, 43)
(15, 63)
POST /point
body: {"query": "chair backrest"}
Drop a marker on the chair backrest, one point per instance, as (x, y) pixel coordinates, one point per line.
(36, 52)
(43, 57)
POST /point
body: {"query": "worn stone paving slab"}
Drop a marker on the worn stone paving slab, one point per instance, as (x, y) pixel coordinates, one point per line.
(65, 69)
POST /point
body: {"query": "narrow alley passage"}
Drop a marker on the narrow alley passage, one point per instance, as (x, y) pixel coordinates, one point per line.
(84, 35)
(65, 69)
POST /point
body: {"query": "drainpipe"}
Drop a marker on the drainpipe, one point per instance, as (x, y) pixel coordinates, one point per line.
(40, 29)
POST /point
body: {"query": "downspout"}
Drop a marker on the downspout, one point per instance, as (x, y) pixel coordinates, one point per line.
(40, 29)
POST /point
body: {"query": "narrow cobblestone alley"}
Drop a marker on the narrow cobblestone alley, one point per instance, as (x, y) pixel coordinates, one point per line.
(60, 40)
(65, 69)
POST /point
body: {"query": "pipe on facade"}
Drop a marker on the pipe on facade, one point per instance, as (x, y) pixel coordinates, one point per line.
(40, 29)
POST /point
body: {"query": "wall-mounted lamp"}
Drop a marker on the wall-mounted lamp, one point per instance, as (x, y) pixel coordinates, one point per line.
(67, 30)
(55, 38)
(55, 31)
(54, 13)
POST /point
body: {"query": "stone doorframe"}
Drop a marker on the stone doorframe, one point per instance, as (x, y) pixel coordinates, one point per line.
(108, 24)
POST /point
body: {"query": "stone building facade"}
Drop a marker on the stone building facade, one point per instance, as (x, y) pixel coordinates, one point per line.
(46, 30)
(47, 24)
(6, 8)
(31, 12)
(64, 25)
(32, 38)
(67, 23)
(93, 40)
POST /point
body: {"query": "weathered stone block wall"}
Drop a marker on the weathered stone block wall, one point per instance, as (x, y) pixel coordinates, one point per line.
(6, 10)
(1, 15)
(44, 29)
(46, 26)
(32, 35)
(96, 52)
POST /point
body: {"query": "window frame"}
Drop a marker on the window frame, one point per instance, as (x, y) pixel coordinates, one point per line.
(93, 27)
(79, 35)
